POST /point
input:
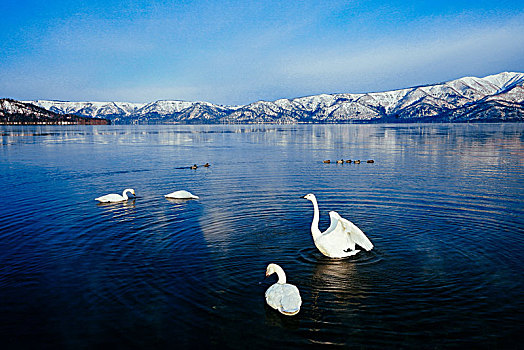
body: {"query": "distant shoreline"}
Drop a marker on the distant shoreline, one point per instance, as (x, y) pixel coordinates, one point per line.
(272, 123)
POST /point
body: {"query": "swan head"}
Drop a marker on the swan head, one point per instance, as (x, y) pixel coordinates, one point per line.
(271, 269)
(130, 190)
(274, 268)
(310, 196)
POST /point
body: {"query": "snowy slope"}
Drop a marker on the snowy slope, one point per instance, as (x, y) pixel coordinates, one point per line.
(89, 109)
(410, 104)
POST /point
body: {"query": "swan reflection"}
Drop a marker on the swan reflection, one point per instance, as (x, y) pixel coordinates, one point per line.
(275, 319)
(335, 285)
(117, 205)
(177, 201)
(119, 210)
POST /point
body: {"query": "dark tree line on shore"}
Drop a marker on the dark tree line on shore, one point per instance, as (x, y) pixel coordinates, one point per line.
(14, 112)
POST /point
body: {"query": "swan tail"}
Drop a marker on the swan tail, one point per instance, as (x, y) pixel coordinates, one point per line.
(291, 301)
(289, 313)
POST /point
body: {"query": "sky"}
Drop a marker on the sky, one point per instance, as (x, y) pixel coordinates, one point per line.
(238, 52)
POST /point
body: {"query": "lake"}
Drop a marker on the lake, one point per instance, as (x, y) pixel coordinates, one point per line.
(443, 205)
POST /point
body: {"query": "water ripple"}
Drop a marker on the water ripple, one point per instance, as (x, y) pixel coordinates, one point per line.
(150, 272)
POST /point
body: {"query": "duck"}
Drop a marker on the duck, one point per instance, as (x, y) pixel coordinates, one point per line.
(348, 161)
(357, 162)
(340, 161)
(113, 197)
(181, 194)
(327, 161)
(341, 237)
(370, 161)
(206, 165)
(194, 166)
(282, 296)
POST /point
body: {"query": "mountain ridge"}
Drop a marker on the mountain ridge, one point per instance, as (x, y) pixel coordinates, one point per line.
(500, 97)
(14, 112)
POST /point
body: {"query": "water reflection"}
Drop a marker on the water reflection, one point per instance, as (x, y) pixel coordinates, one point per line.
(120, 211)
(338, 278)
(178, 201)
(114, 205)
(274, 318)
(339, 141)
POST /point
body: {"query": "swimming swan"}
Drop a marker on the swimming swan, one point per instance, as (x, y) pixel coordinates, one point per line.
(282, 296)
(181, 195)
(339, 240)
(113, 197)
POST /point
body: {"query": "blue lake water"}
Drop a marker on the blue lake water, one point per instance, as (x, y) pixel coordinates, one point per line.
(443, 205)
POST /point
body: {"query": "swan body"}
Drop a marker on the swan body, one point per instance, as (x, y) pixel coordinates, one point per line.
(341, 237)
(113, 197)
(282, 296)
(181, 195)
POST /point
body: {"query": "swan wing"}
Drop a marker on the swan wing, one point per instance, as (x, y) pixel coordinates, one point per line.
(284, 298)
(291, 300)
(335, 242)
(112, 197)
(333, 224)
(354, 233)
(273, 296)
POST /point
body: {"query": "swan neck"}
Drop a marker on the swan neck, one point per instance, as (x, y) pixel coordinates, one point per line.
(281, 276)
(124, 194)
(316, 214)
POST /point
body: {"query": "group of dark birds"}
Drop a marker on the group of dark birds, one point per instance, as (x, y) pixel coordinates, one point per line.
(342, 161)
(194, 166)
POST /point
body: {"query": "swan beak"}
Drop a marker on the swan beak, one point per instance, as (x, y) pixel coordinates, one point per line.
(303, 197)
(267, 274)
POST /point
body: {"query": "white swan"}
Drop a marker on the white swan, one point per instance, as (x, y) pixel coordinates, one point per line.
(113, 197)
(181, 195)
(282, 296)
(339, 240)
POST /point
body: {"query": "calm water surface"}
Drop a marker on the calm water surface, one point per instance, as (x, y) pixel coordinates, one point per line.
(443, 205)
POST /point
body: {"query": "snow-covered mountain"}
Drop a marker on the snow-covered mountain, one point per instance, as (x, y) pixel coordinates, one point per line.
(90, 109)
(16, 112)
(498, 97)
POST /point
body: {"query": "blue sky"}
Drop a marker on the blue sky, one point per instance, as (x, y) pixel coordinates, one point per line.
(237, 52)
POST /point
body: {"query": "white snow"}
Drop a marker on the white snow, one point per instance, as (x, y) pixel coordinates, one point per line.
(450, 94)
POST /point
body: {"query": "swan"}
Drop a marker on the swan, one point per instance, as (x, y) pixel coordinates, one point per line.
(282, 296)
(181, 195)
(113, 197)
(339, 240)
